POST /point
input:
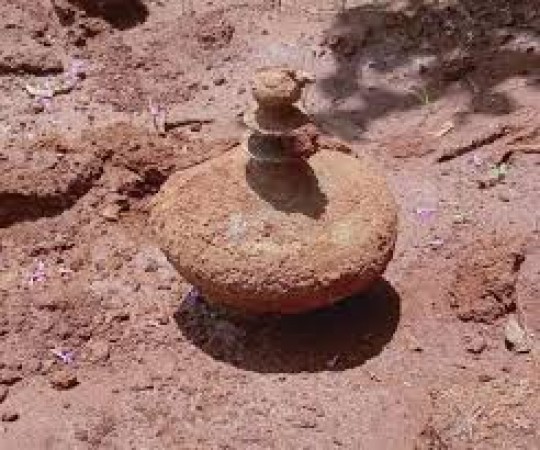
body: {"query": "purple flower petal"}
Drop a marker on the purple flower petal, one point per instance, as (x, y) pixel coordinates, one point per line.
(46, 102)
(193, 297)
(476, 160)
(425, 213)
(38, 275)
(77, 68)
(436, 243)
(153, 107)
(66, 356)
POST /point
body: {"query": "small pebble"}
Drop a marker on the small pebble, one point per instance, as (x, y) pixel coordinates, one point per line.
(111, 213)
(63, 380)
(37, 107)
(220, 81)
(516, 337)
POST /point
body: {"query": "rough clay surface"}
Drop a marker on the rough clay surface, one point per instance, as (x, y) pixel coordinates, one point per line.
(417, 362)
(266, 238)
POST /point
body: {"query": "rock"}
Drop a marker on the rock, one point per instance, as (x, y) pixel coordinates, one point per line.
(111, 212)
(10, 416)
(277, 238)
(219, 81)
(278, 87)
(4, 391)
(63, 380)
(516, 337)
(37, 107)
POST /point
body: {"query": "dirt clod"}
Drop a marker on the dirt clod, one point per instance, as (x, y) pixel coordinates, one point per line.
(64, 379)
(484, 287)
(111, 212)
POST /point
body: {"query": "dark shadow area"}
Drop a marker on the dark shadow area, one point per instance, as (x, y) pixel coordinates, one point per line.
(290, 187)
(121, 14)
(478, 43)
(376, 102)
(336, 338)
(17, 207)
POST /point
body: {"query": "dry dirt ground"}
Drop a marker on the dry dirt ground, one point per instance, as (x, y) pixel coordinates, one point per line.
(97, 348)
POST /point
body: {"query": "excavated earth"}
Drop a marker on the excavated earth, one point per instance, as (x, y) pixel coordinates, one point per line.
(99, 346)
